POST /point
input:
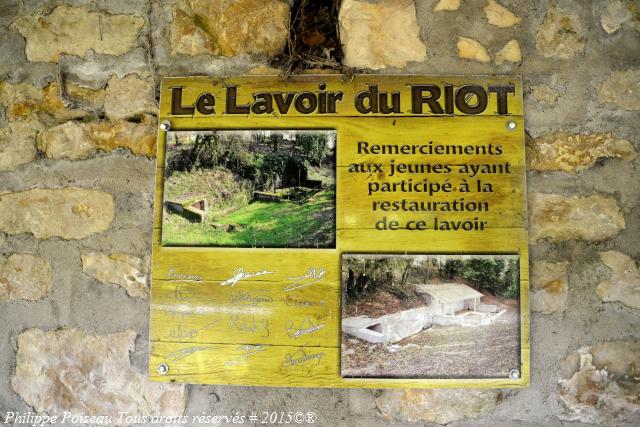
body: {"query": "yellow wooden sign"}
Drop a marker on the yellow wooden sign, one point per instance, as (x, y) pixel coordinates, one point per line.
(334, 231)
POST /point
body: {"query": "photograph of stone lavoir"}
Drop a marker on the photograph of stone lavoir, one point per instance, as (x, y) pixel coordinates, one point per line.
(257, 188)
(430, 316)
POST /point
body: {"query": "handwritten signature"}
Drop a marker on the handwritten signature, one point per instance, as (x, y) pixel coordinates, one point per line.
(180, 332)
(184, 292)
(295, 302)
(250, 324)
(240, 274)
(175, 276)
(248, 298)
(182, 353)
(301, 357)
(247, 351)
(313, 275)
(307, 326)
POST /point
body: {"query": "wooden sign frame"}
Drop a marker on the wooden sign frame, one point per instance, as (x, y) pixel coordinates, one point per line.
(194, 292)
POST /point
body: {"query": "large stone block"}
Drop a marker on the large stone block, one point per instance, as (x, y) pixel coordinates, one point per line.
(558, 218)
(23, 100)
(77, 140)
(132, 273)
(570, 152)
(91, 375)
(441, 406)
(447, 5)
(70, 213)
(381, 34)
(509, 53)
(545, 93)
(18, 144)
(599, 384)
(229, 28)
(75, 30)
(129, 96)
(624, 284)
(549, 286)
(499, 15)
(614, 14)
(25, 276)
(621, 88)
(561, 34)
(472, 49)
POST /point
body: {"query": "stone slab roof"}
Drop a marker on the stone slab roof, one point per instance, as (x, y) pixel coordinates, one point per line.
(449, 292)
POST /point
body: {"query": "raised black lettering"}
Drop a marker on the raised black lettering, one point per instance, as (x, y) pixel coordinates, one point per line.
(283, 103)
(263, 103)
(417, 98)
(205, 104)
(334, 97)
(176, 103)
(371, 98)
(385, 108)
(448, 99)
(463, 102)
(501, 95)
(306, 107)
(363, 147)
(232, 107)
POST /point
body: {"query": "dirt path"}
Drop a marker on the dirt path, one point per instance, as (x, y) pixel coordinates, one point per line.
(441, 351)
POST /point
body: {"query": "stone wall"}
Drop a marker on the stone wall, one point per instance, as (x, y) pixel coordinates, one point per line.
(78, 102)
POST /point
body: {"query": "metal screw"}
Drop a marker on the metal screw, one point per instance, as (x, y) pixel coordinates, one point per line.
(163, 369)
(514, 374)
(165, 125)
(511, 125)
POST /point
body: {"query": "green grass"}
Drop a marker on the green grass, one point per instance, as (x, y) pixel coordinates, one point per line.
(261, 224)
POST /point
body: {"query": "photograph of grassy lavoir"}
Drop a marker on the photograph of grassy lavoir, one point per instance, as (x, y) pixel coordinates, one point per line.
(430, 316)
(250, 188)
